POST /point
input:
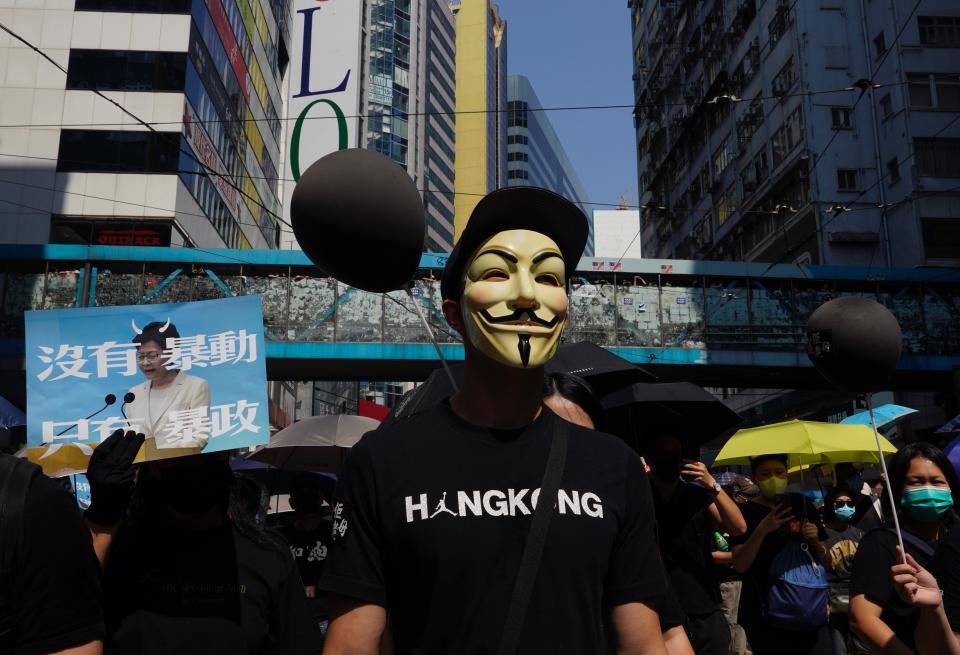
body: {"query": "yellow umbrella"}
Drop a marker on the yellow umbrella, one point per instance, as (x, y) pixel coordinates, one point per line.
(804, 443)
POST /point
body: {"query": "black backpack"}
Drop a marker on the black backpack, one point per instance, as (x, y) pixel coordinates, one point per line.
(16, 476)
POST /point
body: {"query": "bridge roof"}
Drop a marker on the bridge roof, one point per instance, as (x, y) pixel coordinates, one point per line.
(436, 261)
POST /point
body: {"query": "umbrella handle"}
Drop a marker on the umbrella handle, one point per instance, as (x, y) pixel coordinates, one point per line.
(886, 476)
(433, 339)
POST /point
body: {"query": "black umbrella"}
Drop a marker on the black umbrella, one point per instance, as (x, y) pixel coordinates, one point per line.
(680, 408)
(604, 371)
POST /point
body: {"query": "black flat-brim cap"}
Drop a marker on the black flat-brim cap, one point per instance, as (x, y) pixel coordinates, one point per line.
(517, 208)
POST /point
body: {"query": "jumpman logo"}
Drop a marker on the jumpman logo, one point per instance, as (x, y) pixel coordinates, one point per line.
(442, 507)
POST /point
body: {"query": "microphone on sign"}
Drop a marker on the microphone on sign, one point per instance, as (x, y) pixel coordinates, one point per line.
(128, 398)
(109, 399)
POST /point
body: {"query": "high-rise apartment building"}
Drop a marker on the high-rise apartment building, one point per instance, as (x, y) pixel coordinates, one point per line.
(481, 104)
(535, 156)
(799, 131)
(77, 167)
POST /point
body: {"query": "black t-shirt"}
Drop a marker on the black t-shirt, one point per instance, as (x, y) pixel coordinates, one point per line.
(842, 548)
(775, 542)
(871, 577)
(58, 598)
(309, 550)
(686, 537)
(208, 592)
(431, 518)
(945, 566)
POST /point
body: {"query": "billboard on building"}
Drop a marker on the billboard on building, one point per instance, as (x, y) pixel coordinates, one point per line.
(616, 234)
(325, 70)
(190, 376)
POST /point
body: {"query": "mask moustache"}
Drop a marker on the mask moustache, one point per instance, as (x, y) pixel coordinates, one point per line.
(773, 487)
(926, 504)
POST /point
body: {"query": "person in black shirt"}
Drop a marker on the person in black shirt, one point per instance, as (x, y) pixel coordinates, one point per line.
(843, 539)
(309, 538)
(54, 587)
(572, 399)
(185, 575)
(774, 521)
(432, 513)
(689, 505)
(924, 487)
(938, 627)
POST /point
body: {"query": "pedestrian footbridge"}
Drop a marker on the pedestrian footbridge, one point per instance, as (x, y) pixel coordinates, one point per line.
(726, 324)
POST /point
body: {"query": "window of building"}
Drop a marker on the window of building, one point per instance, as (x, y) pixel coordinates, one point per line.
(939, 31)
(517, 113)
(937, 157)
(110, 151)
(879, 45)
(886, 106)
(778, 26)
(122, 70)
(846, 179)
(517, 174)
(941, 237)
(723, 156)
(893, 171)
(136, 6)
(787, 136)
(727, 205)
(785, 78)
(521, 139)
(841, 118)
(518, 156)
(934, 91)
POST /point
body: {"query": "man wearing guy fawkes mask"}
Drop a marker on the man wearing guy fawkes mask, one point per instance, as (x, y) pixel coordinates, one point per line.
(432, 513)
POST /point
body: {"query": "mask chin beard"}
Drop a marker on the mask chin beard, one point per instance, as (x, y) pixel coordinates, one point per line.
(523, 345)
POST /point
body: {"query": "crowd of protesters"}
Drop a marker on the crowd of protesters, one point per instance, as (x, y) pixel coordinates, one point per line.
(185, 558)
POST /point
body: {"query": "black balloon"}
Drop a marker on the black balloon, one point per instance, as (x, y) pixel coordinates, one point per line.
(359, 218)
(854, 343)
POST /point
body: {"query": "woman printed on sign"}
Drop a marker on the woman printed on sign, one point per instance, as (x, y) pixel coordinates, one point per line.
(924, 486)
(166, 391)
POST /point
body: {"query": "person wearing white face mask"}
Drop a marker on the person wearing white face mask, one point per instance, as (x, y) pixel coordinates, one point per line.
(776, 523)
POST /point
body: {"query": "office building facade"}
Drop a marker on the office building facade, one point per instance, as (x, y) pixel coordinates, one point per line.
(535, 156)
(786, 131)
(409, 101)
(481, 103)
(82, 168)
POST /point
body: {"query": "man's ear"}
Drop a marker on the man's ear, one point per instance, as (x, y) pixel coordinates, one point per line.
(453, 314)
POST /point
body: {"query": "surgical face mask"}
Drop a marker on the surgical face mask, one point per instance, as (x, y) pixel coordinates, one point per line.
(926, 504)
(844, 512)
(515, 299)
(773, 486)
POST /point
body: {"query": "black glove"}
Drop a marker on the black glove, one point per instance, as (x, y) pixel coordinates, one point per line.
(111, 475)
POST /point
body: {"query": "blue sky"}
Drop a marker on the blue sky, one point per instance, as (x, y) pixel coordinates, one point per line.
(579, 53)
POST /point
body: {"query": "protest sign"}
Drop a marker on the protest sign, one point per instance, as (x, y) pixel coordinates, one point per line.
(190, 376)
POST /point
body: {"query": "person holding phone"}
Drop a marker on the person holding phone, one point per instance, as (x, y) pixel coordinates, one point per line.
(690, 505)
(775, 520)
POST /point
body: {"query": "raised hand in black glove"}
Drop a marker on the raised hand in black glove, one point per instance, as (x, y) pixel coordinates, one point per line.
(111, 475)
